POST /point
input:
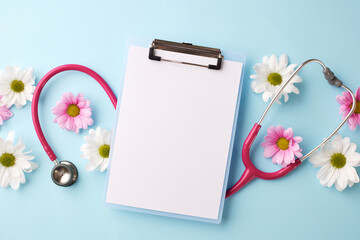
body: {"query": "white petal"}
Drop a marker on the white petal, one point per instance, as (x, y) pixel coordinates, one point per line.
(266, 95)
(273, 64)
(90, 166)
(4, 181)
(336, 144)
(323, 173)
(23, 163)
(286, 97)
(22, 177)
(32, 167)
(291, 88)
(296, 79)
(283, 62)
(103, 165)
(319, 159)
(345, 145)
(266, 59)
(107, 138)
(352, 147)
(10, 137)
(341, 182)
(258, 86)
(353, 159)
(289, 69)
(14, 181)
(351, 174)
(333, 177)
(99, 136)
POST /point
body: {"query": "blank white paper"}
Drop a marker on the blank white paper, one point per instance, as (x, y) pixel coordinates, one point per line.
(173, 134)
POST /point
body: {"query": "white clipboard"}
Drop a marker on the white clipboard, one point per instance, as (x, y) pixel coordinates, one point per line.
(174, 133)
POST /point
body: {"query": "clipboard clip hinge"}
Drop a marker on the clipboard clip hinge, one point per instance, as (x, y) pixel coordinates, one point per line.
(186, 48)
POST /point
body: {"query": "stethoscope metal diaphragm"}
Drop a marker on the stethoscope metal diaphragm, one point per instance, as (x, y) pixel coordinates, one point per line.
(64, 173)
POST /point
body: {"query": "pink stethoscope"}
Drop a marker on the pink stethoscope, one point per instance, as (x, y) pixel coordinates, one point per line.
(64, 173)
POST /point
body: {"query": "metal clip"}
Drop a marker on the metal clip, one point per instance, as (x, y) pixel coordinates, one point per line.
(186, 48)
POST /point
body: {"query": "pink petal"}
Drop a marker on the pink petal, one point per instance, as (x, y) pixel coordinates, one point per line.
(340, 99)
(270, 151)
(90, 121)
(347, 97)
(298, 153)
(353, 122)
(294, 147)
(280, 131)
(279, 157)
(67, 98)
(272, 138)
(59, 109)
(83, 122)
(288, 133)
(271, 130)
(69, 124)
(78, 98)
(86, 112)
(358, 94)
(268, 143)
(77, 121)
(64, 118)
(297, 139)
(344, 110)
(289, 156)
(81, 103)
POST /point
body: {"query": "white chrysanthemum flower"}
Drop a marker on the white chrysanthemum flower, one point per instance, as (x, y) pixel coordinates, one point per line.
(337, 160)
(14, 162)
(16, 86)
(271, 76)
(96, 149)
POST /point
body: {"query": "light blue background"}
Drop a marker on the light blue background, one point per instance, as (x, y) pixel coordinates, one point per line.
(45, 34)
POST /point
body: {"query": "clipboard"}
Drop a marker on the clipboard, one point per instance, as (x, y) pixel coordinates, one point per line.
(174, 132)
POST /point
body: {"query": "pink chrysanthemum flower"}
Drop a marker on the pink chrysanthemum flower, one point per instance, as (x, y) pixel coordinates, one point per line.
(73, 113)
(281, 145)
(346, 104)
(5, 113)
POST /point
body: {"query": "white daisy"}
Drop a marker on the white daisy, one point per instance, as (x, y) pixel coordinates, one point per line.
(16, 86)
(96, 149)
(271, 76)
(14, 162)
(337, 160)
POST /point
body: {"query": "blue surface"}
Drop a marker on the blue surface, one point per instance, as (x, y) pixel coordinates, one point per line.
(45, 34)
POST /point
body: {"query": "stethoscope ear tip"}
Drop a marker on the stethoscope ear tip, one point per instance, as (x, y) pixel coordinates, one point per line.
(64, 173)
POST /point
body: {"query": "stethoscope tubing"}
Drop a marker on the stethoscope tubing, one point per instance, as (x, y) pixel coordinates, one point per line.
(39, 88)
(251, 172)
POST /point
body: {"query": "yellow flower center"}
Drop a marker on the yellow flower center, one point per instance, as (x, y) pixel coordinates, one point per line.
(104, 150)
(73, 110)
(7, 160)
(283, 143)
(338, 160)
(357, 107)
(275, 79)
(17, 86)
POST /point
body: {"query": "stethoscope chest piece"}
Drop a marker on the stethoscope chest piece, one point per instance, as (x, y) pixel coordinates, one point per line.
(64, 173)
